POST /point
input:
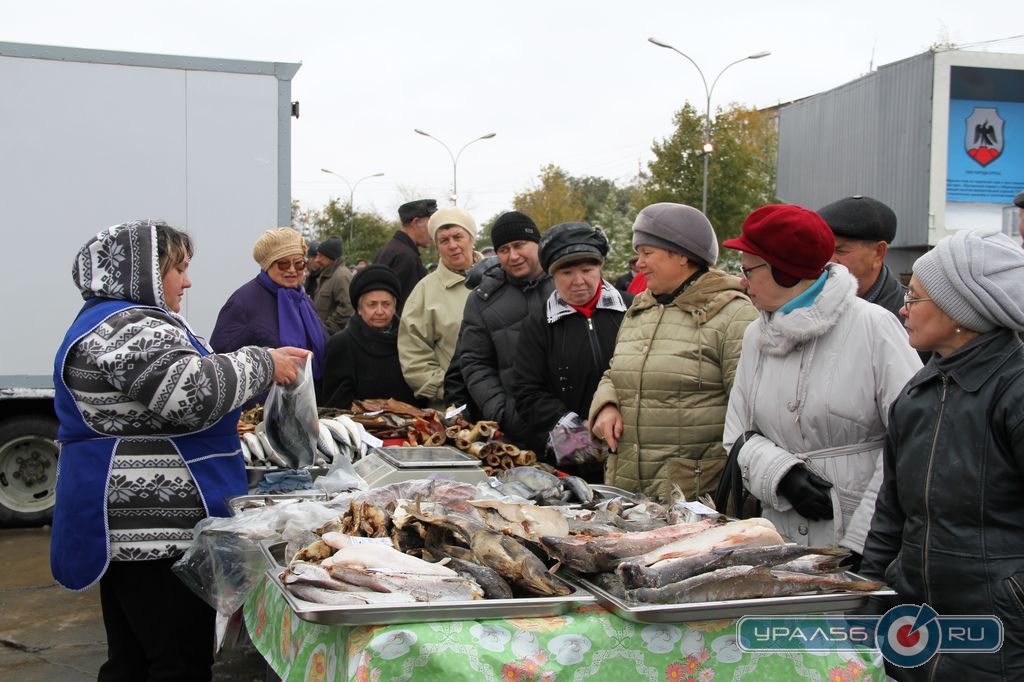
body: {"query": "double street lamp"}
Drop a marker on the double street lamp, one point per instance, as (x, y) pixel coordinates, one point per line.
(454, 158)
(707, 147)
(351, 197)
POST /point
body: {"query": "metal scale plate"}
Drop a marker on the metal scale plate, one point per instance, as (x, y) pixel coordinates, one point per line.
(386, 465)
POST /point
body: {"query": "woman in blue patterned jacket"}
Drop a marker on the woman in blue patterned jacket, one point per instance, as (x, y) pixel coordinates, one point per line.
(149, 447)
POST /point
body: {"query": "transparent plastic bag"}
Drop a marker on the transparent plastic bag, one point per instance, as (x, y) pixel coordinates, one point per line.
(225, 560)
(291, 419)
(341, 477)
(572, 445)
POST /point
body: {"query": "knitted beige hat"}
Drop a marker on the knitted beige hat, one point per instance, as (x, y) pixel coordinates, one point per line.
(451, 215)
(273, 245)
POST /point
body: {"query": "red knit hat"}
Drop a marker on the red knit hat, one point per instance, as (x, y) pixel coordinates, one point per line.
(790, 238)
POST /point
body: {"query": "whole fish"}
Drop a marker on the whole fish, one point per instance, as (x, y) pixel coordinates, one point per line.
(312, 574)
(746, 533)
(273, 456)
(321, 595)
(814, 563)
(292, 422)
(673, 570)
(527, 521)
(326, 444)
(517, 489)
(532, 477)
(494, 586)
(418, 587)
(747, 582)
(579, 489)
(597, 553)
(514, 562)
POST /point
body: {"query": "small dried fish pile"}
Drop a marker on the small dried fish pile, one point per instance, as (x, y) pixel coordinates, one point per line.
(393, 419)
(709, 560)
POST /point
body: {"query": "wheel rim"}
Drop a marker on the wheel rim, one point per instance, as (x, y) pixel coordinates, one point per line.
(28, 474)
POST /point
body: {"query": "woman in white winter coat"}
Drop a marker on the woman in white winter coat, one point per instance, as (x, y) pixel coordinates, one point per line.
(816, 375)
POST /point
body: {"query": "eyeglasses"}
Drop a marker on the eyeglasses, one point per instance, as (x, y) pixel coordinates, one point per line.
(286, 265)
(908, 300)
(746, 271)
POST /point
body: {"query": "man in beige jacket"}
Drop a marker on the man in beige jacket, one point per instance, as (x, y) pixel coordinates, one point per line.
(433, 312)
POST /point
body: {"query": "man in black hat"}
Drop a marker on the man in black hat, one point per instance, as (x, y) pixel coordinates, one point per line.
(331, 298)
(402, 253)
(502, 299)
(864, 228)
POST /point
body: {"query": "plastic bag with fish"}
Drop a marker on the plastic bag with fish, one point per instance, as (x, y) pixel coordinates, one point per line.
(293, 426)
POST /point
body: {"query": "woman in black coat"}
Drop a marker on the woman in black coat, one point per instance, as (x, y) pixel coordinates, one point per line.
(361, 361)
(565, 347)
(948, 528)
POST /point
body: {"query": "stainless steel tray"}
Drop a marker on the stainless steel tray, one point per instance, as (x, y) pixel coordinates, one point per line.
(421, 612)
(235, 503)
(733, 608)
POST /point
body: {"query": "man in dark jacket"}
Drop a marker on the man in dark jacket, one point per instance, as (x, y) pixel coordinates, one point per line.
(864, 228)
(330, 297)
(494, 313)
(402, 253)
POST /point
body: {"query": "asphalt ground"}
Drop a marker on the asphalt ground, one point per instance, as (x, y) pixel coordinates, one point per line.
(48, 633)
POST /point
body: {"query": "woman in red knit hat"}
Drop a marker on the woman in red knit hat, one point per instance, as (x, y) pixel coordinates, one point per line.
(816, 375)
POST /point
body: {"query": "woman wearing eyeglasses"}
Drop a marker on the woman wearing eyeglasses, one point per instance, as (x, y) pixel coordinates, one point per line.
(817, 372)
(273, 309)
(948, 528)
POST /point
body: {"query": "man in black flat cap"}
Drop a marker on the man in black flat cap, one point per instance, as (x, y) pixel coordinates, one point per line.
(402, 253)
(330, 295)
(864, 228)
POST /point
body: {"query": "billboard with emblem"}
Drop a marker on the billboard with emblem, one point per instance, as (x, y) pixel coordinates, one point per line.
(986, 135)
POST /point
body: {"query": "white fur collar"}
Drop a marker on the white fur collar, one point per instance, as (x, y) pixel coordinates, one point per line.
(780, 333)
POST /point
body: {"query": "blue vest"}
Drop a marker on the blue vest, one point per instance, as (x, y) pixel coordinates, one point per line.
(80, 541)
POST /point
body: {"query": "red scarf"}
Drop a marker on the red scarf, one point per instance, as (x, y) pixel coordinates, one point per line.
(588, 309)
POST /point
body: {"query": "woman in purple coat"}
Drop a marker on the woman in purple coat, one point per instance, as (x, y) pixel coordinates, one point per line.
(272, 309)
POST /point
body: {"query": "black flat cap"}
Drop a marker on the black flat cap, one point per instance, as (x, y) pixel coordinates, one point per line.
(860, 217)
(421, 208)
(569, 242)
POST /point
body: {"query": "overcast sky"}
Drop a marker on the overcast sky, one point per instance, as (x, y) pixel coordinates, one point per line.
(570, 83)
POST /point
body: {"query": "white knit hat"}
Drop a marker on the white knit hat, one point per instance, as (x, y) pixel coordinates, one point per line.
(977, 278)
(451, 215)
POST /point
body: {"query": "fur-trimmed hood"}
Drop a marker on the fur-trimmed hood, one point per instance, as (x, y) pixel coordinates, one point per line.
(779, 333)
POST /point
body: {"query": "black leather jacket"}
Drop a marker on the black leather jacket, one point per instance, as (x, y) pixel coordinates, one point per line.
(948, 528)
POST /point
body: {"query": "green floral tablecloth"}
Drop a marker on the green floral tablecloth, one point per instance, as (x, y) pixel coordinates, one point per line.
(588, 643)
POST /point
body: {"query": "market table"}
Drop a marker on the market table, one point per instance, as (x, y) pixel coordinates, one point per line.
(588, 643)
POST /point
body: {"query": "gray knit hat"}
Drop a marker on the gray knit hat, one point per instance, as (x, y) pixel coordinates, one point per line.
(678, 228)
(977, 278)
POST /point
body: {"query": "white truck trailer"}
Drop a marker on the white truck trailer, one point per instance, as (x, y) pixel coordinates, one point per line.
(92, 138)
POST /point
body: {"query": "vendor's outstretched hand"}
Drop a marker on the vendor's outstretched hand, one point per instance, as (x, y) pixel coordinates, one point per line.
(608, 426)
(288, 362)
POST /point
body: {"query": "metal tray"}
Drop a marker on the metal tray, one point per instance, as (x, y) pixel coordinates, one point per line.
(235, 503)
(420, 612)
(733, 608)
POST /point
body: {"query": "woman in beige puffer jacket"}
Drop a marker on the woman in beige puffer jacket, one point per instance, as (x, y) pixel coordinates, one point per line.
(661, 404)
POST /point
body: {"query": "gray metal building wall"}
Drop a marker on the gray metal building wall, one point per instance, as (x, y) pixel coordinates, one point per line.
(870, 136)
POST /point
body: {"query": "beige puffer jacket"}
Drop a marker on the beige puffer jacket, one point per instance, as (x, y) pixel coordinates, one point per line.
(429, 330)
(670, 377)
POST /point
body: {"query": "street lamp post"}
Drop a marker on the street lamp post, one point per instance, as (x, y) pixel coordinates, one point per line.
(351, 197)
(706, 146)
(454, 158)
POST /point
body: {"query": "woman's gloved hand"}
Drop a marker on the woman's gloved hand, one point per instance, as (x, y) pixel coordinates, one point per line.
(808, 493)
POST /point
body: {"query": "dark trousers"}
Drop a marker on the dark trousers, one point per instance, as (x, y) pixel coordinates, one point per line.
(157, 628)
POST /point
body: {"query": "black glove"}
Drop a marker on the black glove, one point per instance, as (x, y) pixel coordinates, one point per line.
(808, 493)
(852, 562)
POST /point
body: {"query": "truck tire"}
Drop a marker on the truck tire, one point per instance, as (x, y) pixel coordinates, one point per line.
(28, 470)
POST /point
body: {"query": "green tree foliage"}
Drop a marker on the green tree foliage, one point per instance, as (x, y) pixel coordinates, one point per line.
(369, 231)
(741, 173)
(552, 201)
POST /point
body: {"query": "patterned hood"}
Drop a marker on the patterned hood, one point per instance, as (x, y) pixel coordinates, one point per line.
(121, 262)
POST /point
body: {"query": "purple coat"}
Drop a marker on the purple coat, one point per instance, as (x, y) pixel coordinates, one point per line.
(249, 318)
